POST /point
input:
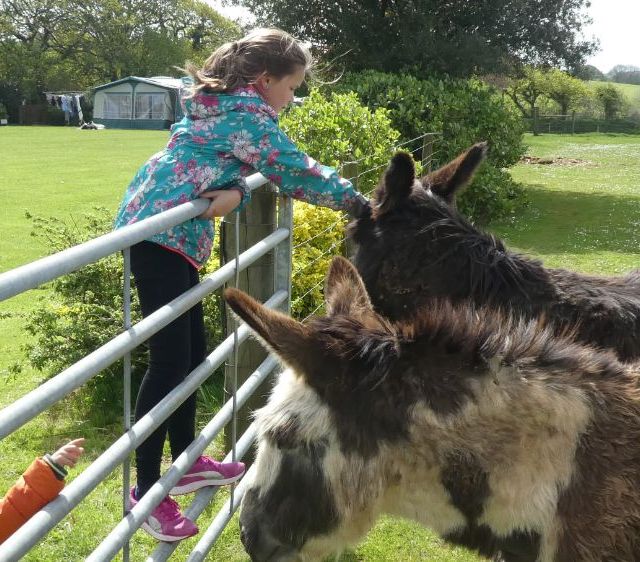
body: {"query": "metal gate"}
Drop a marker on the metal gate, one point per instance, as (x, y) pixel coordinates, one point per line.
(27, 407)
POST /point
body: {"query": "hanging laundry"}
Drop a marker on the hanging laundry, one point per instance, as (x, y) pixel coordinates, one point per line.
(80, 116)
(69, 103)
(66, 108)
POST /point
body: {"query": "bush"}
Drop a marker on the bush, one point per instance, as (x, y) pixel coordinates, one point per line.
(611, 100)
(333, 129)
(85, 312)
(54, 115)
(465, 112)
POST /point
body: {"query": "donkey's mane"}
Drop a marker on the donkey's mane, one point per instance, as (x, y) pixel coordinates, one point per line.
(494, 333)
(491, 266)
(376, 348)
(476, 334)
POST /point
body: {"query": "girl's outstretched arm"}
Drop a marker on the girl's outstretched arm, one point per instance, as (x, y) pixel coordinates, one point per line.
(265, 147)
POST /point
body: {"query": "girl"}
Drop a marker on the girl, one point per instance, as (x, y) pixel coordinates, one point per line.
(230, 130)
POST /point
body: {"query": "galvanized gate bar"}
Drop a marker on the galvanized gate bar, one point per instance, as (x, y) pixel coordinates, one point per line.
(220, 522)
(119, 535)
(43, 521)
(204, 496)
(39, 399)
(45, 269)
(36, 273)
(126, 383)
(284, 251)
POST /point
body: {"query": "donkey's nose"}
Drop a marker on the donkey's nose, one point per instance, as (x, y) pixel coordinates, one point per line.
(262, 546)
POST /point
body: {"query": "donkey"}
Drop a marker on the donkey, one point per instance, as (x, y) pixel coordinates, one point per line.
(415, 245)
(488, 429)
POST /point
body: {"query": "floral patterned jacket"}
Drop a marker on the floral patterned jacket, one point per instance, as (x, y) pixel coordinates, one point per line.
(222, 139)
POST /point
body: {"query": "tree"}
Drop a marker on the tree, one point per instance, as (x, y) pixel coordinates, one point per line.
(525, 91)
(589, 72)
(625, 74)
(611, 100)
(77, 44)
(29, 33)
(568, 92)
(457, 37)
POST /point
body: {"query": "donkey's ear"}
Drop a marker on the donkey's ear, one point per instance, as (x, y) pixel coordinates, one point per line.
(285, 336)
(448, 181)
(344, 290)
(396, 183)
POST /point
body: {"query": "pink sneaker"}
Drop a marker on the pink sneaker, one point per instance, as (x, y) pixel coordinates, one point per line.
(208, 472)
(166, 523)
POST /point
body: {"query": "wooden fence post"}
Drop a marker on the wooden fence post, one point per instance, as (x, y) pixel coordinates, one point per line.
(257, 221)
(350, 172)
(535, 122)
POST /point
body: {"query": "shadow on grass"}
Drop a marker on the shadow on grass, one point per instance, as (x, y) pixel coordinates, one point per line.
(559, 222)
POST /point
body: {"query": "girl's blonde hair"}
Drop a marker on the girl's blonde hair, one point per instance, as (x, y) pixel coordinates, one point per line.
(240, 63)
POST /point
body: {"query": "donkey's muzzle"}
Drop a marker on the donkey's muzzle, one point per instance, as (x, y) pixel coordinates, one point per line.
(262, 546)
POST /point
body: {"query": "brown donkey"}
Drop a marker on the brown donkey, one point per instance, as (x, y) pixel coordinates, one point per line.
(488, 429)
(415, 246)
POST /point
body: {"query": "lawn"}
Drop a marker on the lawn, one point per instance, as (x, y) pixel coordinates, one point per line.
(583, 215)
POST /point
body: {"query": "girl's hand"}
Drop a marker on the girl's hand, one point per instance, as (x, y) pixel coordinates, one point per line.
(68, 454)
(222, 202)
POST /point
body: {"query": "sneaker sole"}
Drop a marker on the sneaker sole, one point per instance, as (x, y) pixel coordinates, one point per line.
(193, 486)
(161, 537)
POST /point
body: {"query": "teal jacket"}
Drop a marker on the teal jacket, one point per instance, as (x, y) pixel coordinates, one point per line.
(222, 139)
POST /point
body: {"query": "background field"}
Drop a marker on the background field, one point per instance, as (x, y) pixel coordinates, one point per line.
(583, 215)
(631, 93)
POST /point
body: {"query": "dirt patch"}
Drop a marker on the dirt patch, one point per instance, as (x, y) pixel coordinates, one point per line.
(556, 161)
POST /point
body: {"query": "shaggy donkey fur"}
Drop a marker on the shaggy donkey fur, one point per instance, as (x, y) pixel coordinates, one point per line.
(488, 429)
(415, 246)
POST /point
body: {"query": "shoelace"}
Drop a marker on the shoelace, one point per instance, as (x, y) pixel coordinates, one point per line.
(209, 462)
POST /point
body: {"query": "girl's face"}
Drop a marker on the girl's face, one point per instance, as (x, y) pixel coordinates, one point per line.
(278, 92)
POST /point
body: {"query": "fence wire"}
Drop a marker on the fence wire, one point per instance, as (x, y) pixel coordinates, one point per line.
(430, 159)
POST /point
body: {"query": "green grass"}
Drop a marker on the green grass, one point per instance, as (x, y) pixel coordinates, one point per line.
(62, 172)
(582, 216)
(585, 217)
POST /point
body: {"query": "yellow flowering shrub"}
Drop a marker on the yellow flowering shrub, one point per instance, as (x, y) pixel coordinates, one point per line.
(334, 130)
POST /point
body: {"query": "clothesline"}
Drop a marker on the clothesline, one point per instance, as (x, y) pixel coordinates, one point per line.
(69, 103)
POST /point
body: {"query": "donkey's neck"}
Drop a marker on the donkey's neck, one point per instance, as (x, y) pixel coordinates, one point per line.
(492, 273)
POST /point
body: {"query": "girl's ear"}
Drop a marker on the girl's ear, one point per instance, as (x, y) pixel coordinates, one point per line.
(396, 183)
(263, 81)
(448, 181)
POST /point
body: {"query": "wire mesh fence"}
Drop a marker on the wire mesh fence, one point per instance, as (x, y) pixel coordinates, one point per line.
(575, 124)
(312, 254)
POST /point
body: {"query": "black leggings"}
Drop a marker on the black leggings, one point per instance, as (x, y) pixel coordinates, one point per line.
(161, 275)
